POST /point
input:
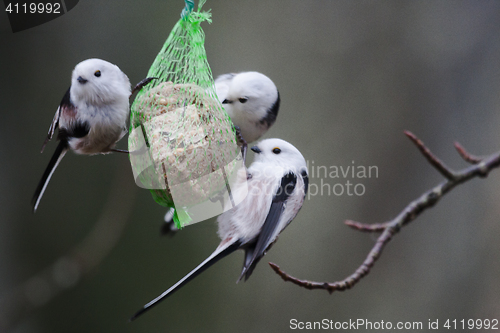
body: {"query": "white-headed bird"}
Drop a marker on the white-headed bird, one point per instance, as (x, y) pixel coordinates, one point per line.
(92, 115)
(277, 183)
(252, 101)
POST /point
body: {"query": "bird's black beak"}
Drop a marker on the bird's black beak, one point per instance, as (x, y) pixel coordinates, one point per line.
(82, 80)
(226, 101)
(256, 149)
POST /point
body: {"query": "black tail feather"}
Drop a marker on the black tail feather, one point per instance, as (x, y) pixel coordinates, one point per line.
(61, 150)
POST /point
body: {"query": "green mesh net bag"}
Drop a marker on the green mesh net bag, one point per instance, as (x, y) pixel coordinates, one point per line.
(182, 143)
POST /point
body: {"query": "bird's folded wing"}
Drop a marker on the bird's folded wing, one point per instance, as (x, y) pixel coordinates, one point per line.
(66, 102)
(270, 228)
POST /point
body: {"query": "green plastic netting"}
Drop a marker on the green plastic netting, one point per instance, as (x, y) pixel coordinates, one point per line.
(182, 143)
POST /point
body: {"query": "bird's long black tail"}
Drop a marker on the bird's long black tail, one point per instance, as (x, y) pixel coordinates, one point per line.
(218, 254)
(61, 150)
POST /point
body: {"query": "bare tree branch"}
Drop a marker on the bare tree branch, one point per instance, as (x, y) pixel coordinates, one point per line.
(481, 168)
(67, 271)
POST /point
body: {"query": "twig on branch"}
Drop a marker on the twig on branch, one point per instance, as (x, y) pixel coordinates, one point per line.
(466, 156)
(71, 268)
(433, 160)
(480, 168)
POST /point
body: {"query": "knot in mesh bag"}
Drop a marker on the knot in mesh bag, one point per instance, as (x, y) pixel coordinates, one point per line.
(182, 143)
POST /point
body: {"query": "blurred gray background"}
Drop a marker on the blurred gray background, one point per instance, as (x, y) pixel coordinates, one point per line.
(352, 76)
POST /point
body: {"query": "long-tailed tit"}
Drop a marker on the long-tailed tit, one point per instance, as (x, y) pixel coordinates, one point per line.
(252, 101)
(277, 185)
(92, 115)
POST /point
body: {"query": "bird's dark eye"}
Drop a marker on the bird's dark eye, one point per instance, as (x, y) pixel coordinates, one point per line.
(243, 100)
(97, 73)
(276, 150)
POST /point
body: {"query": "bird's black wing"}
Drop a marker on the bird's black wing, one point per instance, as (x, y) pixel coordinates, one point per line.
(65, 103)
(272, 113)
(268, 232)
(305, 178)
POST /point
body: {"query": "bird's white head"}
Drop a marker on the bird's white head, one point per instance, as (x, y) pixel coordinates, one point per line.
(280, 153)
(252, 92)
(98, 82)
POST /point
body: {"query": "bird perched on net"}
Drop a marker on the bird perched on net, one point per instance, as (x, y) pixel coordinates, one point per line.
(252, 101)
(92, 115)
(277, 184)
